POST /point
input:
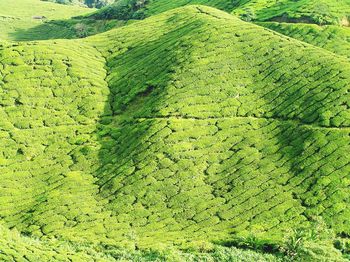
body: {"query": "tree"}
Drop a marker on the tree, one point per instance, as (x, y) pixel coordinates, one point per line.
(81, 30)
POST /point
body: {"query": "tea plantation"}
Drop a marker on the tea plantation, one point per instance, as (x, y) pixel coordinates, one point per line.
(27, 19)
(188, 136)
(332, 38)
(302, 11)
(294, 11)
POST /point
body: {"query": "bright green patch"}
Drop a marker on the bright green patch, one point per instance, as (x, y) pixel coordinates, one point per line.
(333, 38)
(302, 11)
(25, 19)
(186, 129)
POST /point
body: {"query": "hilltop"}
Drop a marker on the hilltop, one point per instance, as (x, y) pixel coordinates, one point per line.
(185, 129)
(321, 23)
(304, 11)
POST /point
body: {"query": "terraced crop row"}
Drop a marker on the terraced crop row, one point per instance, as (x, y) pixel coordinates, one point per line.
(302, 11)
(51, 98)
(333, 38)
(209, 83)
(275, 78)
(190, 130)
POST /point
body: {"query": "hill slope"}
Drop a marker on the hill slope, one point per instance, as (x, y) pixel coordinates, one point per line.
(191, 130)
(303, 11)
(296, 19)
(129, 9)
(333, 38)
(18, 17)
(15, 247)
(231, 98)
(180, 129)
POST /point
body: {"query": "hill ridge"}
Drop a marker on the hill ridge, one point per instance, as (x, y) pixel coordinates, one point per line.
(98, 160)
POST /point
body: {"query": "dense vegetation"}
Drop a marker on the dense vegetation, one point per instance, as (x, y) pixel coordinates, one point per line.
(303, 11)
(332, 38)
(89, 3)
(15, 247)
(27, 19)
(190, 130)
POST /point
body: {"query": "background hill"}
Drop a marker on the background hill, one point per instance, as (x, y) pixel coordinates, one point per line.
(332, 38)
(18, 17)
(190, 129)
(87, 3)
(303, 11)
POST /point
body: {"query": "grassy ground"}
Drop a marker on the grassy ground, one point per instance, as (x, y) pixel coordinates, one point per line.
(228, 136)
(303, 11)
(17, 23)
(15, 247)
(333, 38)
(186, 129)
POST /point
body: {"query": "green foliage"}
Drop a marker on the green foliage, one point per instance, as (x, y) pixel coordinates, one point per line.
(139, 9)
(333, 38)
(187, 128)
(248, 15)
(302, 11)
(17, 19)
(312, 244)
(122, 10)
(186, 112)
(81, 30)
(89, 3)
(16, 247)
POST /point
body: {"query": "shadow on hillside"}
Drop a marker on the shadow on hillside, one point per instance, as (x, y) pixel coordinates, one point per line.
(138, 75)
(65, 29)
(137, 78)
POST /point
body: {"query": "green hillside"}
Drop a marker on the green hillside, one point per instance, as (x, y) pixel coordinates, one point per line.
(15, 247)
(188, 136)
(159, 6)
(191, 130)
(332, 38)
(131, 9)
(89, 3)
(21, 20)
(302, 11)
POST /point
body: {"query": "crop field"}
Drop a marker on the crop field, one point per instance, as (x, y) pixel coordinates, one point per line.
(332, 38)
(190, 135)
(303, 11)
(18, 19)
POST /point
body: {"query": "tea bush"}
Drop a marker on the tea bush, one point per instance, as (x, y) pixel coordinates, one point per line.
(186, 129)
(319, 12)
(332, 38)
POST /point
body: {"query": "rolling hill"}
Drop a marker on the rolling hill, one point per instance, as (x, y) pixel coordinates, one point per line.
(26, 19)
(188, 129)
(302, 11)
(332, 38)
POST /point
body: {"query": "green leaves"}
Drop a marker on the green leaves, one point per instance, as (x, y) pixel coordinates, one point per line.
(195, 128)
